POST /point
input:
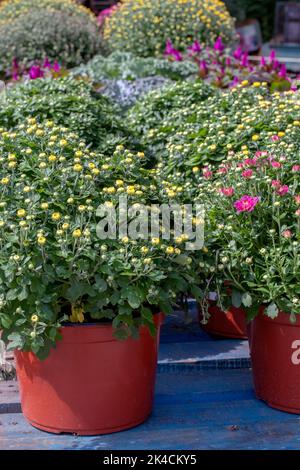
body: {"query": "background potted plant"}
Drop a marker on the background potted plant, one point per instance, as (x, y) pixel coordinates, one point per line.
(68, 298)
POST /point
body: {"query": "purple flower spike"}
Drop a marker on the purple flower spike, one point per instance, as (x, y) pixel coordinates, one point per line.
(171, 51)
(244, 61)
(238, 53)
(228, 61)
(203, 70)
(263, 61)
(195, 47)
(46, 64)
(169, 47)
(234, 82)
(219, 46)
(272, 55)
(282, 71)
(35, 72)
(15, 63)
(56, 67)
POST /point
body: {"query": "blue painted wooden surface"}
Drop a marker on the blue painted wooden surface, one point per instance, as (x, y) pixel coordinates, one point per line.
(208, 409)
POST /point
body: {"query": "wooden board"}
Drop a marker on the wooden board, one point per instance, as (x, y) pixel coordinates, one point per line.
(208, 409)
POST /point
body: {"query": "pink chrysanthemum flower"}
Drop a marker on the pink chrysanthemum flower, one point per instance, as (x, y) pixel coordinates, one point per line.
(247, 173)
(228, 192)
(283, 190)
(246, 203)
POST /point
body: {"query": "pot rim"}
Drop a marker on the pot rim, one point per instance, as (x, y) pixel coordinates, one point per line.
(282, 318)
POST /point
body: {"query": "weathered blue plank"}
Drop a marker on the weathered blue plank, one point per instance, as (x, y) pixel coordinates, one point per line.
(186, 344)
(211, 409)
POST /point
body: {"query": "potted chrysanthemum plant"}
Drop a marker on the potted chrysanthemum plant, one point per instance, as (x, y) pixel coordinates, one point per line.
(257, 204)
(80, 304)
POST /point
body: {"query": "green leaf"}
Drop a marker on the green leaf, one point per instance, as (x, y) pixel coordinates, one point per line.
(75, 291)
(101, 284)
(147, 314)
(134, 298)
(236, 298)
(246, 299)
(196, 292)
(15, 341)
(12, 294)
(272, 310)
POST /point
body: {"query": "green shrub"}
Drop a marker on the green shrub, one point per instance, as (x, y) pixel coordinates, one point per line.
(144, 26)
(12, 9)
(70, 36)
(154, 109)
(68, 102)
(194, 135)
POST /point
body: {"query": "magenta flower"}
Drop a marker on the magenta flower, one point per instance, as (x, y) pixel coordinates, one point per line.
(104, 14)
(261, 153)
(222, 170)
(47, 64)
(250, 161)
(296, 168)
(35, 72)
(247, 173)
(245, 61)
(195, 47)
(237, 54)
(272, 55)
(282, 71)
(276, 164)
(246, 203)
(297, 199)
(234, 82)
(219, 46)
(56, 67)
(276, 183)
(263, 62)
(203, 70)
(282, 190)
(207, 174)
(171, 51)
(228, 192)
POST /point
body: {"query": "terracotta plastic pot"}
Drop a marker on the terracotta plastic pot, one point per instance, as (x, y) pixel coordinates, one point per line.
(91, 383)
(230, 324)
(275, 357)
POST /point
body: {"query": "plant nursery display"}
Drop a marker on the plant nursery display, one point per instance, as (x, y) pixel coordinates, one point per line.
(68, 102)
(63, 284)
(143, 27)
(59, 30)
